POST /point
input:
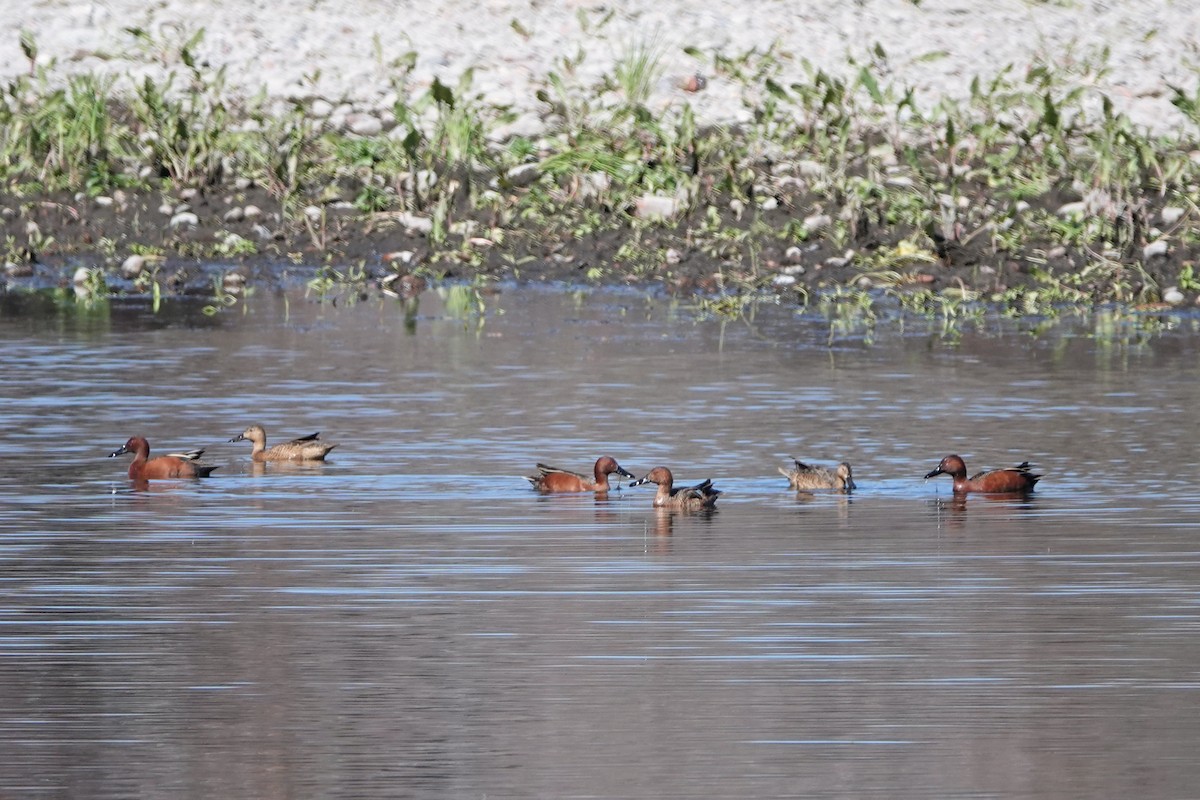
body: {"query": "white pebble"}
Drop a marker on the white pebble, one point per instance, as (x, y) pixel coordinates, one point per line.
(1171, 214)
(816, 222)
(1155, 249)
(364, 124)
(133, 266)
(652, 206)
(184, 219)
(523, 175)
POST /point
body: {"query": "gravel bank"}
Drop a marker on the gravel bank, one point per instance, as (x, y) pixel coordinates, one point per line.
(342, 49)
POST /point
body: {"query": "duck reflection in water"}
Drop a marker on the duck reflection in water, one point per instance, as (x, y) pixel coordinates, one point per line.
(662, 525)
(952, 511)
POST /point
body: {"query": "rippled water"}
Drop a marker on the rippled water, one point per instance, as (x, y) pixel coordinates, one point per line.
(410, 620)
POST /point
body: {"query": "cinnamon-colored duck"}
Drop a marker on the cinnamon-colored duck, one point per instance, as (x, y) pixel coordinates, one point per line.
(1013, 480)
(686, 498)
(173, 465)
(306, 448)
(806, 477)
(552, 480)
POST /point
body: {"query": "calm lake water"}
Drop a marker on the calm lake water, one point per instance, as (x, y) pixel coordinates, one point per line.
(411, 620)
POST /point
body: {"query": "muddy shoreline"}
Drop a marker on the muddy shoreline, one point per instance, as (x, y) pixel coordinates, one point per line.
(158, 170)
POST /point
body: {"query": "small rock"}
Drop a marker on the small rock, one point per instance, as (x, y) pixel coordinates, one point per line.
(32, 229)
(242, 184)
(1076, 209)
(312, 212)
(672, 256)
(1155, 249)
(817, 222)
(1171, 214)
(415, 223)
(399, 256)
(793, 255)
(1056, 252)
(363, 124)
(184, 219)
(425, 180)
(836, 261)
(81, 276)
(810, 169)
(235, 214)
(104, 201)
(592, 185)
(320, 108)
(899, 182)
(1022, 206)
(166, 209)
(652, 206)
(133, 266)
(252, 212)
(188, 194)
(262, 232)
(794, 269)
(784, 280)
(768, 204)
(22, 269)
(1173, 296)
(525, 126)
(693, 83)
(523, 175)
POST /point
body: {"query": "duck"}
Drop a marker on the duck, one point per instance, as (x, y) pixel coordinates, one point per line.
(306, 448)
(1013, 480)
(690, 498)
(806, 477)
(172, 465)
(554, 480)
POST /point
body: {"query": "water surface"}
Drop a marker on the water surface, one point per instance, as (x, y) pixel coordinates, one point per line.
(410, 620)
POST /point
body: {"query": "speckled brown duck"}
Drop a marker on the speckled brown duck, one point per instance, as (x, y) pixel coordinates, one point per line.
(306, 448)
(687, 498)
(808, 477)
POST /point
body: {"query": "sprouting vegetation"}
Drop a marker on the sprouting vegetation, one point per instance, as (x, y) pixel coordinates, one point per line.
(845, 196)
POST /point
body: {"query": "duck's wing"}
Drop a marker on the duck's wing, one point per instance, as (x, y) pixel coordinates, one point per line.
(312, 437)
(546, 469)
(702, 490)
(188, 455)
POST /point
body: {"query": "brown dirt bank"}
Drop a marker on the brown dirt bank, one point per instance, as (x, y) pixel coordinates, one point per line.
(51, 238)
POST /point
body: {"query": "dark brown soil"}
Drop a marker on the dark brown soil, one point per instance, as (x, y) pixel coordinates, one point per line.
(79, 232)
